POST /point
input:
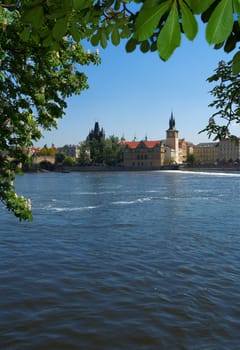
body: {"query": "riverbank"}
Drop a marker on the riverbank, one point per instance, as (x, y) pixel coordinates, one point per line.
(221, 167)
(99, 168)
(120, 168)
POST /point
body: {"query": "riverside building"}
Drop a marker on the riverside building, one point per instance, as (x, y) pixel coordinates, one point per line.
(224, 151)
(154, 154)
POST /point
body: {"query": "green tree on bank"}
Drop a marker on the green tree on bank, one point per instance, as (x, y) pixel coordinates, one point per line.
(97, 149)
(41, 55)
(191, 159)
(96, 141)
(113, 152)
(48, 151)
(106, 151)
(84, 157)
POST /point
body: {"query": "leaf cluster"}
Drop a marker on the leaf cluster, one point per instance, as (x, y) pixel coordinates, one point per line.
(34, 84)
(151, 25)
(226, 102)
(160, 24)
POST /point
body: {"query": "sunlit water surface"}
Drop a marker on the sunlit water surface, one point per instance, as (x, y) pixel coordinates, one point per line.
(145, 260)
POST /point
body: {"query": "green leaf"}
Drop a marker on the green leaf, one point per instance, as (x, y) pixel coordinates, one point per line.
(131, 45)
(230, 43)
(47, 41)
(125, 33)
(55, 45)
(57, 14)
(66, 4)
(153, 46)
(236, 6)
(218, 46)
(144, 47)
(115, 37)
(80, 4)
(34, 16)
(170, 36)
(95, 39)
(75, 33)
(190, 26)
(109, 28)
(103, 39)
(150, 3)
(199, 6)
(220, 23)
(117, 5)
(236, 63)
(148, 20)
(25, 34)
(60, 28)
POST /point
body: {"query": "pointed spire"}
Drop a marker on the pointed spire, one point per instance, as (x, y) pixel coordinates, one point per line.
(96, 129)
(172, 122)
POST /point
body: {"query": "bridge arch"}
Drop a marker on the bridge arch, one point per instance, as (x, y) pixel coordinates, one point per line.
(41, 159)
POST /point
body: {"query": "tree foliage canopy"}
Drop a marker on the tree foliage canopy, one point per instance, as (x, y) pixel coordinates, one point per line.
(101, 151)
(34, 83)
(41, 54)
(151, 25)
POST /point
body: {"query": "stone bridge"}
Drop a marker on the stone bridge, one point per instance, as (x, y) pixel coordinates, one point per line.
(42, 159)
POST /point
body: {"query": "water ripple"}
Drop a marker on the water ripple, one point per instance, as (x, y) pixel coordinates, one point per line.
(123, 261)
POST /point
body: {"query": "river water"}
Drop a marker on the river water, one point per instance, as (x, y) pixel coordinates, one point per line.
(135, 260)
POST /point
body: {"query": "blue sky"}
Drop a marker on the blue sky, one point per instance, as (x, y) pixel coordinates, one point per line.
(133, 95)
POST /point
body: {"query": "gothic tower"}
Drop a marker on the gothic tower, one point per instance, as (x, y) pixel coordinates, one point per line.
(172, 138)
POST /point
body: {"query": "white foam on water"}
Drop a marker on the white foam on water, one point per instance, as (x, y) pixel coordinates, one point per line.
(138, 200)
(203, 173)
(67, 209)
(95, 193)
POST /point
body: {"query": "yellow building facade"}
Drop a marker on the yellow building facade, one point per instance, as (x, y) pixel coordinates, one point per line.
(146, 154)
(225, 151)
(153, 154)
(206, 153)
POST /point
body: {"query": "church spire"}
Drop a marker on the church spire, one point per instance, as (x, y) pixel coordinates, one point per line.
(172, 122)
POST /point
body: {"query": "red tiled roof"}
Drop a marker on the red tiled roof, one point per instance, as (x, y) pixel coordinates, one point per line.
(130, 144)
(151, 144)
(134, 144)
(34, 149)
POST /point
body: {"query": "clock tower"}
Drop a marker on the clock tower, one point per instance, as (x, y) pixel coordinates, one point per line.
(172, 138)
